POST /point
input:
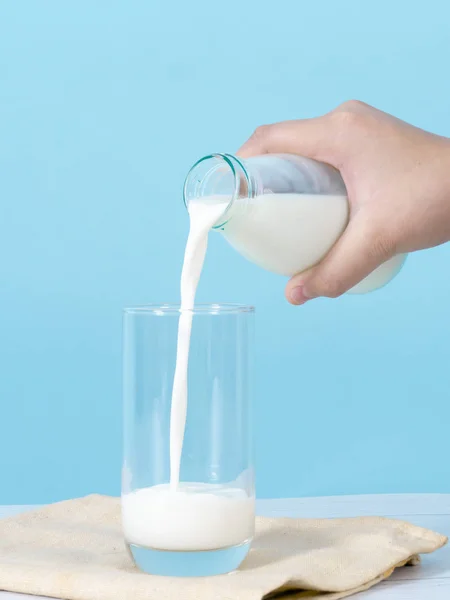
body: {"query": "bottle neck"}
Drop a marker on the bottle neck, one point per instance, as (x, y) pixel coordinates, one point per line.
(219, 178)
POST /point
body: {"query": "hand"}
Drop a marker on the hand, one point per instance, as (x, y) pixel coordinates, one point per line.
(398, 182)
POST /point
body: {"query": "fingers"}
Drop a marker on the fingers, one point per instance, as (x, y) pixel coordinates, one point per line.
(355, 255)
(322, 138)
(310, 137)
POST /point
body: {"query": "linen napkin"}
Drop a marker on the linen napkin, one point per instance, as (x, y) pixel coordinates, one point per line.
(75, 550)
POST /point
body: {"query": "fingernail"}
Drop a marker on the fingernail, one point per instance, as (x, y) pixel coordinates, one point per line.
(298, 295)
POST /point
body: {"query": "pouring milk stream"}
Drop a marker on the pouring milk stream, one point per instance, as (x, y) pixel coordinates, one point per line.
(283, 213)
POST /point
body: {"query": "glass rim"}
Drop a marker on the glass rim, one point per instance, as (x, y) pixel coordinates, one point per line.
(167, 309)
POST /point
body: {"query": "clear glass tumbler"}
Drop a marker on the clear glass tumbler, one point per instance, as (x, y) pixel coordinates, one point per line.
(203, 524)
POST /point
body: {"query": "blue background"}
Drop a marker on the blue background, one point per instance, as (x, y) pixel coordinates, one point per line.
(103, 107)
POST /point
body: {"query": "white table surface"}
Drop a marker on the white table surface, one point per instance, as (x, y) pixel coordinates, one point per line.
(429, 581)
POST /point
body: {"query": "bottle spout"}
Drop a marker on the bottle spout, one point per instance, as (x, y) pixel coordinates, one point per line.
(217, 178)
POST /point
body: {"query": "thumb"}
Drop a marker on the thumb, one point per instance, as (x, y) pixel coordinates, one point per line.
(358, 252)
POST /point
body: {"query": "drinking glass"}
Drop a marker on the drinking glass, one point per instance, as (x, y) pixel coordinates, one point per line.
(203, 524)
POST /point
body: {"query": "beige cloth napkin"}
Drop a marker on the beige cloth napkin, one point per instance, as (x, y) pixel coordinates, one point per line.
(75, 550)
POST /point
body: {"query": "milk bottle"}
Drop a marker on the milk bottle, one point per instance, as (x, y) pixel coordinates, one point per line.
(282, 212)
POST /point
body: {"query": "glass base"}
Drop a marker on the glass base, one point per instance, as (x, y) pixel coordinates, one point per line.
(189, 564)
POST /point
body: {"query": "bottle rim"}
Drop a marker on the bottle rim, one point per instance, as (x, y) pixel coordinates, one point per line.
(236, 167)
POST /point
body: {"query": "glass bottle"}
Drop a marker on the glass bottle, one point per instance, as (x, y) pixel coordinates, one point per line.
(283, 212)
